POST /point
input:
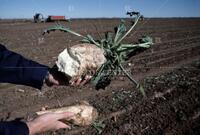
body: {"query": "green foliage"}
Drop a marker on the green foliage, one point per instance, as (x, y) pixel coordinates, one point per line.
(99, 126)
(116, 52)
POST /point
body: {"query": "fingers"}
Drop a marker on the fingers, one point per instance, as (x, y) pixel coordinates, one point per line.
(61, 116)
(48, 122)
(79, 81)
(56, 78)
(61, 125)
(64, 115)
(51, 80)
(86, 79)
(73, 81)
(55, 82)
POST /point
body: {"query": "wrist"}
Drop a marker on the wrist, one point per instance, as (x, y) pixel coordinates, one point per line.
(32, 128)
(46, 79)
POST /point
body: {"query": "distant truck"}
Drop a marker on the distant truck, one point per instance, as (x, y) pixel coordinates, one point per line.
(52, 18)
(38, 17)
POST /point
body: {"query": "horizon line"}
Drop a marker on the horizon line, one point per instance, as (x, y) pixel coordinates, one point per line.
(18, 18)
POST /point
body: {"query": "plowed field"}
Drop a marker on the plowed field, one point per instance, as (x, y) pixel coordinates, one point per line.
(169, 71)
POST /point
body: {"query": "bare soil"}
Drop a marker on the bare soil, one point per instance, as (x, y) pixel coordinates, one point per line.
(169, 71)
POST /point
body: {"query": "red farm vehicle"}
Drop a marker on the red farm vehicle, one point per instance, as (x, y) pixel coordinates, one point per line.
(52, 18)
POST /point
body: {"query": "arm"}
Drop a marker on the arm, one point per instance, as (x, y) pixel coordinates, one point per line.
(46, 122)
(14, 128)
(16, 69)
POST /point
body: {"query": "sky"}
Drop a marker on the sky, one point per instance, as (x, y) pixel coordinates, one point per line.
(99, 8)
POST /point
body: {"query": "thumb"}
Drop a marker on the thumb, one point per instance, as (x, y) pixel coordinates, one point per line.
(53, 80)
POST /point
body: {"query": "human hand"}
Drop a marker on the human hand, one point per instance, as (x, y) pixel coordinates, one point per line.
(80, 80)
(48, 122)
(57, 78)
(84, 77)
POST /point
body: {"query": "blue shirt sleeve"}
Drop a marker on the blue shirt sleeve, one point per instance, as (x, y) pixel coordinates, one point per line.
(13, 128)
(14, 68)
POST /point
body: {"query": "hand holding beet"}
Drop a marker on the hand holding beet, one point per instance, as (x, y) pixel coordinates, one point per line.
(48, 121)
(55, 77)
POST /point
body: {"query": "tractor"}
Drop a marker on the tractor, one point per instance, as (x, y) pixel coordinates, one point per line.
(38, 17)
(134, 13)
